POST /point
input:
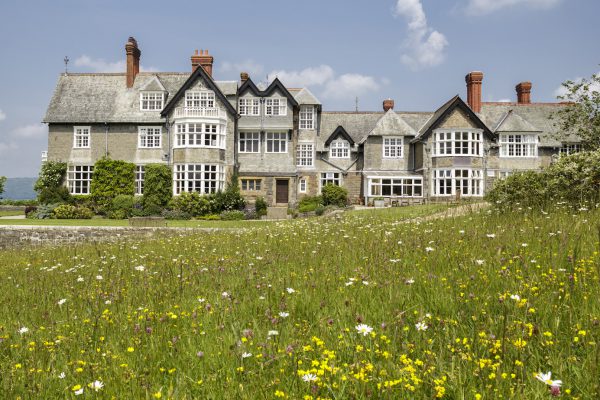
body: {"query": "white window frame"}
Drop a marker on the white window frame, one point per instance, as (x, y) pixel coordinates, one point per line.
(276, 106)
(518, 145)
(245, 141)
(305, 155)
(249, 106)
(151, 140)
(200, 134)
(339, 148)
(331, 177)
(393, 147)
(406, 186)
(151, 101)
(200, 99)
(458, 143)
(251, 184)
(307, 117)
(79, 179)
(570, 148)
(446, 181)
(276, 140)
(140, 175)
(202, 178)
(82, 137)
(302, 185)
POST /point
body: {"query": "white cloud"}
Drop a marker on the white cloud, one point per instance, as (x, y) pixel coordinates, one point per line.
(254, 69)
(330, 85)
(30, 131)
(307, 77)
(2, 116)
(480, 7)
(424, 46)
(504, 101)
(562, 91)
(7, 147)
(349, 85)
(100, 65)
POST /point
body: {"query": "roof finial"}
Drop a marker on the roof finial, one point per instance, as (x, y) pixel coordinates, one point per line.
(66, 60)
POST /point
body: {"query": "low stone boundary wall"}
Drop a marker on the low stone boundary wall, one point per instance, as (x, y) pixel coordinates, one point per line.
(13, 236)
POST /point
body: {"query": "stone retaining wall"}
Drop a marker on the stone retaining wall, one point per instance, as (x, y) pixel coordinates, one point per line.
(12, 236)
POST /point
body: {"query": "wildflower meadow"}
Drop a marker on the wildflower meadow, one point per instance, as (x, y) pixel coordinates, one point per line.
(489, 305)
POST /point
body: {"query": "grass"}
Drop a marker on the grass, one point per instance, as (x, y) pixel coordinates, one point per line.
(365, 306)
(10, 213)
(123, 222)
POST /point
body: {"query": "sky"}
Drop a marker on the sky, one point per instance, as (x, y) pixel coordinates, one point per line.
(416, 52)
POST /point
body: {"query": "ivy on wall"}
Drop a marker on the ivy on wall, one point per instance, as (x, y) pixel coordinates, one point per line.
(110, 179)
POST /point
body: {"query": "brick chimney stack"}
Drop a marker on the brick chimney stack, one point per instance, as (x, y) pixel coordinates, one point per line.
(133, 60)
(474, 80)
(523, 92)
(244, 76)
(201, 58)
(388, 104)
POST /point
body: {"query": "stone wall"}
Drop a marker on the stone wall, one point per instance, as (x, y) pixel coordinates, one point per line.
(13, 236)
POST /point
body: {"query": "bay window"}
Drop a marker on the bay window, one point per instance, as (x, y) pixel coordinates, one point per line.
(458, 143)
(200, 135)
(202, 178)
(396, 186)
(457, 181)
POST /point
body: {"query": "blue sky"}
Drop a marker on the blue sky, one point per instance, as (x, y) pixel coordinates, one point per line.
(414, 51)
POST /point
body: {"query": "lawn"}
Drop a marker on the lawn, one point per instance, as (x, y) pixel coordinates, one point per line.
(361, 306)
(10, 213)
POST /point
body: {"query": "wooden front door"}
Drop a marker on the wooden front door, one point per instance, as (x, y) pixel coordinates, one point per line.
(281, 190)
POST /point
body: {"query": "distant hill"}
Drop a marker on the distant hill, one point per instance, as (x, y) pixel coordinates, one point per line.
(19, 189)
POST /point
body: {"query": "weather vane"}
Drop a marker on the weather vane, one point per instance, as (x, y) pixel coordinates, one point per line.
(66, 60)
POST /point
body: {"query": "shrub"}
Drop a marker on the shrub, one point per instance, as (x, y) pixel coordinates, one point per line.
(52, 174)
(52, 195)
(192, 203)
(175, 215)
(110, 179)
(320, 209)
(9, 202)
(310, 203)
(68, 211)
(121, 207)
(260, 206)
(30, 210)
(44, 211)
(232, 215)
(210, 217)
(573, 179)
(334, 195)
(230, 199)
(157, 186)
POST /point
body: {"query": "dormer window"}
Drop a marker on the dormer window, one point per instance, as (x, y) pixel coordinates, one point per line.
(339, 149)
(276, 106)
(249, 106)
(151, 101)
(200, 99)
(307, 117)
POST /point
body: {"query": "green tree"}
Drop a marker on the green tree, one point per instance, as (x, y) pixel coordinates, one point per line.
(158, 186)
(110, 179)
(2, 181)
(581, 115)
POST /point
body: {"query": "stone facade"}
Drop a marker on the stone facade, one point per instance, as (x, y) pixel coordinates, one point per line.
(284, 147)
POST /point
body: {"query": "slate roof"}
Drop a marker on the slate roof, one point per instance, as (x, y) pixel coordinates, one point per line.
(536, 115)
(99, 98)
(512, 122)
(392, 124)
(360, 124)
(304, 96)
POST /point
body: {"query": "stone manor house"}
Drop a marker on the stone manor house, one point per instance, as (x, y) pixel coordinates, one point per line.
(283, 145)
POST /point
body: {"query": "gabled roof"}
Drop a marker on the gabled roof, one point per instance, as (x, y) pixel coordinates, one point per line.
(513, 122)
(444, 111)
(198, 73)
(391, 124)
(276, 84)
(154, 85)
(304, 96)
(339, 131)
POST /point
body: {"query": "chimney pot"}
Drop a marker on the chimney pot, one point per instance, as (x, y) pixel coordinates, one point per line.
(244, 76)
(523, 92)
(473, 80)
(204, 60)
(388, 104)
(133, 54)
